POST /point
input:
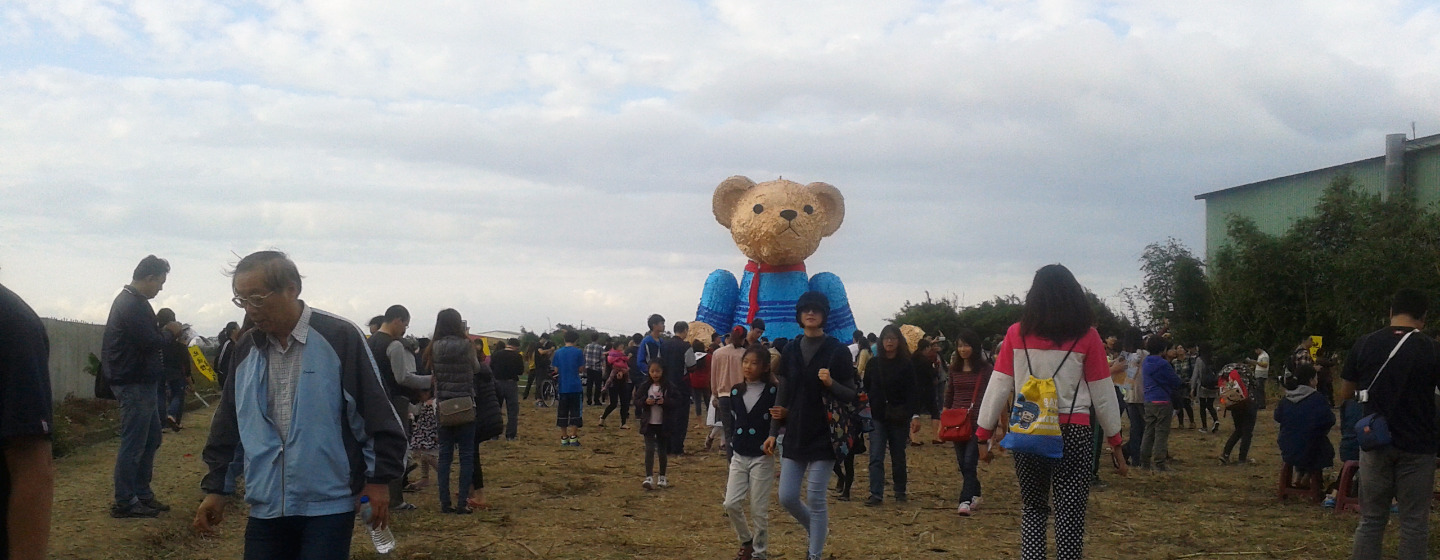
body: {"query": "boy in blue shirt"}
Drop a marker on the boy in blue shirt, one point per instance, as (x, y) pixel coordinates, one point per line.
(569, 362)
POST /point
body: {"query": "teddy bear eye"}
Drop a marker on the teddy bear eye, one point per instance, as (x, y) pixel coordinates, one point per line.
(809, 209)
(759, 208)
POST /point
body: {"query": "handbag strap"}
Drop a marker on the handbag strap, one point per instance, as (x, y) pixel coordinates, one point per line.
(1031, 366)
(975, 395)
(1393, 351)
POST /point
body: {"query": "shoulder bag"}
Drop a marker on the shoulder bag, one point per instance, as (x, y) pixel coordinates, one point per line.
(1373, 430)
(958, 424)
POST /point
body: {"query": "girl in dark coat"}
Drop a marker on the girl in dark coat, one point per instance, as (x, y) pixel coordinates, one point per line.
(655, 400)
(1305, 421)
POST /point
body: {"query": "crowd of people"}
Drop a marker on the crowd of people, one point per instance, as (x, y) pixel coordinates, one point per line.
(314, 413)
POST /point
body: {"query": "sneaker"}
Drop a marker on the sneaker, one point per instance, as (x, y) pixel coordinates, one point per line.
(564, 442)
(155, 504)
(1224, 460)
(133, 511)
(873, 501)
(1216, 427)
(964, 509)
(901, 498)
(404, 506)
(662, 482)
(975, 503)
(747, 552)
(649, 483)
(1329, 502)
(575, 442)
(624, 426)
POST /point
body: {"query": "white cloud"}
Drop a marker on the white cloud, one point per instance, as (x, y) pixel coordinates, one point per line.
(528, 161)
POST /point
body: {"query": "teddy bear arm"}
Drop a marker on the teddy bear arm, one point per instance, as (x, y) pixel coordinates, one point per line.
(841, 321)
(718, 300)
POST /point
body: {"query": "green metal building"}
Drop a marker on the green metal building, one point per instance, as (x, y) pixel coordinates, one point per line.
(1408, 168)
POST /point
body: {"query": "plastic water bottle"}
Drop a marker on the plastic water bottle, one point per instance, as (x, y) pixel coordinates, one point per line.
(383, 539)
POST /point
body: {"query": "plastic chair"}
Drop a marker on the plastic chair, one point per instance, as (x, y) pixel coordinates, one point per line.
(1346, 499)
(1311, 486)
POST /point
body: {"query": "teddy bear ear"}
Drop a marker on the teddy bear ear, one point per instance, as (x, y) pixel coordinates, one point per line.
(727, 195)
(833, 204)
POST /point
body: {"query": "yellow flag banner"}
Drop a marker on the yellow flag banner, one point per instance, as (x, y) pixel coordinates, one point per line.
(201, 364)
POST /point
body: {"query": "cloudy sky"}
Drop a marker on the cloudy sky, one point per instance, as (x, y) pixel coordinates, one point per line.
(537, 162)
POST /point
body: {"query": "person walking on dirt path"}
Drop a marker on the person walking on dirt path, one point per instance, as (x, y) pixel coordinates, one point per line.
(1398, 368)
(1243, 410)
(1055, 339)
(618, 385)
(401, 379)
(1160, 384)
(177, 377)
(725, 373)
(508, 366)
(301, 367)
(895, 404)
(969, 376)
(811, 366)
(752, 471)
(130, 360)
(27, 486)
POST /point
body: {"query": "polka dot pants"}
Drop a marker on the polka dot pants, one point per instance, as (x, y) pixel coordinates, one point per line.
(1070, 478)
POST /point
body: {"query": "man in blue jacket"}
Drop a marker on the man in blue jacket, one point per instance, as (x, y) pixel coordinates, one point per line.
(306, 403)
(130, 361)
(1160, 385)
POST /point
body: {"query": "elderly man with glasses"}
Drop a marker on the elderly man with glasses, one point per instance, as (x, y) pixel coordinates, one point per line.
(306, 404)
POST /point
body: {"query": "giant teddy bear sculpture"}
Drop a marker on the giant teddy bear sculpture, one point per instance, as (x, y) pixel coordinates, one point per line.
(777, 224)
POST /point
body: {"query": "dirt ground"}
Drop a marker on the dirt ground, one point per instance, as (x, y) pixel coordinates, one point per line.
(551, 502)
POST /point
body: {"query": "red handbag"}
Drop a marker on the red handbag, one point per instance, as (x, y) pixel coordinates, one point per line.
(958, 424)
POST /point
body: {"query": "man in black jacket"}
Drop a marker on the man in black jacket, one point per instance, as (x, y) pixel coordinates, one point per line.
(678, 356)
(130, 361)
(508, 366)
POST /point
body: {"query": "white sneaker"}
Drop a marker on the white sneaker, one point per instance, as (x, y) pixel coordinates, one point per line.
(663, 483)
(975, 503)
(649, 483)
(964, 509)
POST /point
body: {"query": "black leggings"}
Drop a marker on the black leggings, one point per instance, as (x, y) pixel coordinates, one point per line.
(1244, 417)
(845, 474)
(1184, 407)
(478, 480)
(619, 398)
(1207, 404)
(655, 442)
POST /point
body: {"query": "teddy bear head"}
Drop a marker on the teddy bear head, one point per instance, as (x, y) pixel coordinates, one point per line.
(778, 222)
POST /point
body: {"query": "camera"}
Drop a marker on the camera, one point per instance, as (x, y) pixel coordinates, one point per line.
(1363, 396)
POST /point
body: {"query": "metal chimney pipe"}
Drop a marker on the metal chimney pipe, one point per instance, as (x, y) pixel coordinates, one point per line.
(1394, 165)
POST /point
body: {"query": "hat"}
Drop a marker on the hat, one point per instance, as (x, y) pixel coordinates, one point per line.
(812, 300)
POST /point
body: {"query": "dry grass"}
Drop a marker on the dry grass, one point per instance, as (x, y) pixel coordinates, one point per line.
(563, 503)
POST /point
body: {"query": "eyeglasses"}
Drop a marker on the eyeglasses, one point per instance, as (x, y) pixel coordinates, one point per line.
(252, 301)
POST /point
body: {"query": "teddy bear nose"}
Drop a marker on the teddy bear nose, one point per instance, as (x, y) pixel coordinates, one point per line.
(788, 214)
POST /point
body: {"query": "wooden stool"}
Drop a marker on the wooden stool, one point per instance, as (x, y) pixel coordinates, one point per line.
(1345, 497)
(1311, 487)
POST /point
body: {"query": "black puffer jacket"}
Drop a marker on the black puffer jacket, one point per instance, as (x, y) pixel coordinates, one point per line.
(454, 363)
(488, 421)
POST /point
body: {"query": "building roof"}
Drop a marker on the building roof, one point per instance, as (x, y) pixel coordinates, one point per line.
(1422, 143)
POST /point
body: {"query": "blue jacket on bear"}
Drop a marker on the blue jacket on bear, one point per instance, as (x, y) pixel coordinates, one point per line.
(769, 293)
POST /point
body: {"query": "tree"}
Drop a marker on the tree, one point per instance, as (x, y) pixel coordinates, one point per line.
(1330, 274)
(1174, 289)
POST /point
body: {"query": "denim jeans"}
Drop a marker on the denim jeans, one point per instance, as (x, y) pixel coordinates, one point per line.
(176, 398)
(300, 538)
(895, 436)
(812, 513)
(139, 438)
(1409, 478)
(462, 436)
(751, 479)
(967, 454)
(1136, 412)
(508, 391)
